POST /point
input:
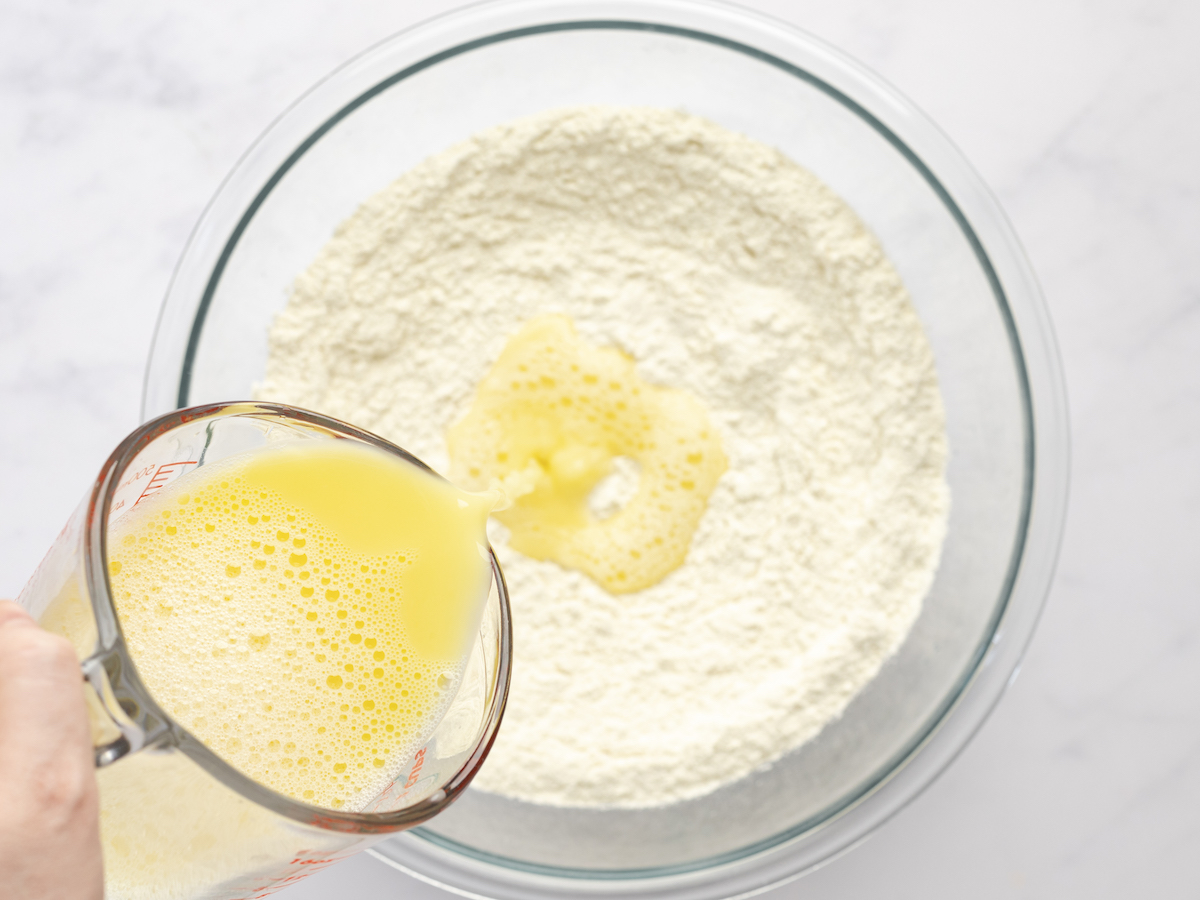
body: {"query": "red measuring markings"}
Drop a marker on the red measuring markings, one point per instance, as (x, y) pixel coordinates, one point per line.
(303, 865)
(416, 770)
(160, 479)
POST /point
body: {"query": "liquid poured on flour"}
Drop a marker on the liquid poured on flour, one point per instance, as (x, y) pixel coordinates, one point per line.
(722, 269)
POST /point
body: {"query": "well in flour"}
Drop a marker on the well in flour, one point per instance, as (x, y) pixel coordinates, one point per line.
(726, 270)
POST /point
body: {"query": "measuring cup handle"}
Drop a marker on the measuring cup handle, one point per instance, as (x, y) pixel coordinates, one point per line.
(120, 724)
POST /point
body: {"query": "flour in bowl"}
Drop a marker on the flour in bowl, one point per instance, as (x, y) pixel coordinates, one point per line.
(723, 270)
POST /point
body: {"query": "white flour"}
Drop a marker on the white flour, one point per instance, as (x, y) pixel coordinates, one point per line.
(726, 270)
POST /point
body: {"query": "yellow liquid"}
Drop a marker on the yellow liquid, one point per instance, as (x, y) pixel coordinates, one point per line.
(304, 611)
(545, 426)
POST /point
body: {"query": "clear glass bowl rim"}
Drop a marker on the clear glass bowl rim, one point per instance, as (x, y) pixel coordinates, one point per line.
(788, 855)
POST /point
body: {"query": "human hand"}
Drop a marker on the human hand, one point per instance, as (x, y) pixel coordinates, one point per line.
(49, 804)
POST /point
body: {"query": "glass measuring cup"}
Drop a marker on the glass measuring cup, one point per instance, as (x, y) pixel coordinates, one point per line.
(176, 819)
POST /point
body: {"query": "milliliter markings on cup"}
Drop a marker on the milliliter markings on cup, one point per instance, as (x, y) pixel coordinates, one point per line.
(161, 477)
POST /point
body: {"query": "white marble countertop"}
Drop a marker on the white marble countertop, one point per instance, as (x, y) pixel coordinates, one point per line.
(119, 120)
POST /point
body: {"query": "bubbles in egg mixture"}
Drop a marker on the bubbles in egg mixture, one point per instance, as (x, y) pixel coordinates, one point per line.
(259, 632)
(547, 425)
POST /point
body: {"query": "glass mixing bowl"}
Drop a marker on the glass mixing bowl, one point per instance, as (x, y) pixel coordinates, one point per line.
(436, 84)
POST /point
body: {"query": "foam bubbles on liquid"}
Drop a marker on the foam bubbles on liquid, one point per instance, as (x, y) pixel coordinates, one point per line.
(547, 424)
(259, 632)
